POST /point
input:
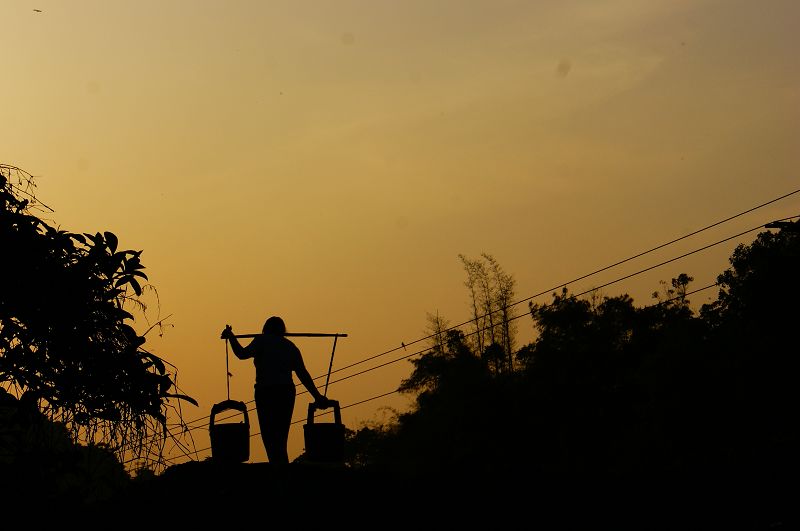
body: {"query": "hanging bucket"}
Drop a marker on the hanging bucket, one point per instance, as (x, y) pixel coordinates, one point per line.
(230, 442)
(324, 440)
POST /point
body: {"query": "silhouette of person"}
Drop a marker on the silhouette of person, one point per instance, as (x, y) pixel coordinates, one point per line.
(275, 358)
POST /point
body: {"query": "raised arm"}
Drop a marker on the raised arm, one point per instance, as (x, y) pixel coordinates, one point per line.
(238, 349)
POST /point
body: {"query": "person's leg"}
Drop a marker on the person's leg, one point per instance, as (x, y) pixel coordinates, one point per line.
(262, 406)
(275, 405)
(283, 420)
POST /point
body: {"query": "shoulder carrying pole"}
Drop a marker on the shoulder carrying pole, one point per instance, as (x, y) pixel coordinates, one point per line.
(296, 334)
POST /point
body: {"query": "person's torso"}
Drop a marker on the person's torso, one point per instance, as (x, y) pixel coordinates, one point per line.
(275, 358)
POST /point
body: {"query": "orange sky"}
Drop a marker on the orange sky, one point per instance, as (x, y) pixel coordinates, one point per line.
(329, 161)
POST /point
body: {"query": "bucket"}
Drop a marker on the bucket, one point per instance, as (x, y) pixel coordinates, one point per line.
(230, 442)
(324, 441)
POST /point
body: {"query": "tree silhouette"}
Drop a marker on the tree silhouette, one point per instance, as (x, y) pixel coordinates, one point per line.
(612, 390)
(491, 292)
(66, 340)
(753, 334)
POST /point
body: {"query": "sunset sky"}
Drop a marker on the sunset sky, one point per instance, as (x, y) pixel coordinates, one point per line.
(328, 161)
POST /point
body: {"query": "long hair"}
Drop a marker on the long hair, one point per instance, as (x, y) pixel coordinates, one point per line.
(275, 326)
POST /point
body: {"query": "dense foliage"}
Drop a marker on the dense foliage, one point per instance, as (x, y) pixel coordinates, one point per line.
(610, 389)
(67, 344)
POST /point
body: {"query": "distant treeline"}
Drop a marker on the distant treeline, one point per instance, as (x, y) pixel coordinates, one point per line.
(613, 391)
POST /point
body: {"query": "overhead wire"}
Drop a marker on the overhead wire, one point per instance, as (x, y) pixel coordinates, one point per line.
(620, 262)
(557, 287)
(593, 289)
(187, 427)
(389, 393)
(585, 276)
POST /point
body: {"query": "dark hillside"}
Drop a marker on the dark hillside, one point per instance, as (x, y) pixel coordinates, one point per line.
(309, 494)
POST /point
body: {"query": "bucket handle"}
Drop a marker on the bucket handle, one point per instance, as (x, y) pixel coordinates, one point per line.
(229, 404)
(337, 414)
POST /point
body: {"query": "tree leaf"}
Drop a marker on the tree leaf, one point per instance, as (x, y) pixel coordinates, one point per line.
(122, 314)
(135, 285)
(112, 241)
(183, 397)
(156, 361)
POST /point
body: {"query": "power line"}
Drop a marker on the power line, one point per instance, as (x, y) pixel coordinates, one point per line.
(557, 287)
(564, 285)
(583, 277)
(615, 281)
(620, 262)
(678, 297)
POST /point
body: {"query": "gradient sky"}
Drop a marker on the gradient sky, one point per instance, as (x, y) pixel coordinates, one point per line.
(327, 161)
